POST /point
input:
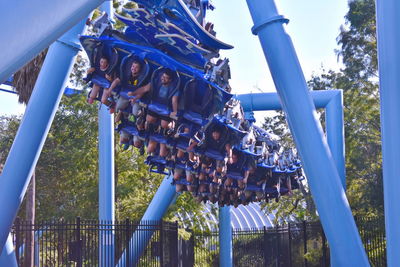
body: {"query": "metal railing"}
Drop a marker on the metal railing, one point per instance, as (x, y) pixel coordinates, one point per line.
(101, 243)
(96, 243)
(293, 244)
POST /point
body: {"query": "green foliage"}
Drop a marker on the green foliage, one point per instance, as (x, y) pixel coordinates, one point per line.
(357, 42)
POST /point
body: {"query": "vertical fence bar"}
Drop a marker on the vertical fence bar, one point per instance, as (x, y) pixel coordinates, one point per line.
(265, 246)
(161, 229)
(290, 245)
(278, 242)
(78, 241)
(127, 236)
(305, 242)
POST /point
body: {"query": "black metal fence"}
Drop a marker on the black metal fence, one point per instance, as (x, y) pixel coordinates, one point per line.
(84, 242)
(372, 231)
(295, 244)
(301, 244)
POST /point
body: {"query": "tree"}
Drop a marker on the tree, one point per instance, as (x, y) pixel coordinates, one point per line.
(357, 41)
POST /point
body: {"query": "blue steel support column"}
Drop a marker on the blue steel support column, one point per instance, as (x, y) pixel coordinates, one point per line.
(225, 237)
(106, 175)
(335, 133)
(322, 174)
(29, 26)
(164, 197)
(34, 126)
(106, 185)
(388, 32)
(7, 257)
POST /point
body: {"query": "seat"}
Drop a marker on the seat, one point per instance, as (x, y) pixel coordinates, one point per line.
(198, 101)
(160, 105)
(237, 171)
(98, 51)
(157, 164)
(125, 74)
(229, 135)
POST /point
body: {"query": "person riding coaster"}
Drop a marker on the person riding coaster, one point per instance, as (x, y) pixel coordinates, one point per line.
(163, 106)
(256, 181)
(215, 148)
(238, 169)
(104, 61)
(184, 179)
(132, 85)
(132, 133)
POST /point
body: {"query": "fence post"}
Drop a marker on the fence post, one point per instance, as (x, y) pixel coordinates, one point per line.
(305, 242)
(191, 251)
(127, 237)
(78, 240)
(161, 243)
(278, 249)
(17, 238)
(175, 247)
(290, 245)
(265, 247)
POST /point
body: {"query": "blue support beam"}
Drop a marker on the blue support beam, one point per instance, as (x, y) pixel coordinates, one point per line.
(106, 175)
(35, 125)
(334, 123)
(388, 32)
(106, 186)
(7, 256)
(323, 176)
(164, 197)
(225, 237)
(29, 26)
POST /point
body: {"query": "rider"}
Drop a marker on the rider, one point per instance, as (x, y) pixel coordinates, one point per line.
(166, 123)
(133, 81)
(102, 72)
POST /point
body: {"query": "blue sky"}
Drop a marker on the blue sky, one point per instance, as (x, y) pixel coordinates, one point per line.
(313, 27)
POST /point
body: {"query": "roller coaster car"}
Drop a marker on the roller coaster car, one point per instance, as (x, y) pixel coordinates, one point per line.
(95, 51)
(130, 128)
(157, 164)
(273, 187)
(294, 181)
(129, 83)
(228, 135)
(198, 101)
(237, 170)
(269, 161)
(158, 104)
